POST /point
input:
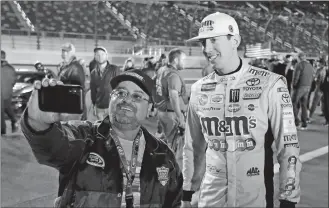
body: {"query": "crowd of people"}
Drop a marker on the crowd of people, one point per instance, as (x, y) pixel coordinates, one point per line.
(229, 122)
(305, 81)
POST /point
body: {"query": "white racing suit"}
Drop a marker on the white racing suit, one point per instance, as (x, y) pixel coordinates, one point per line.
(231, 124)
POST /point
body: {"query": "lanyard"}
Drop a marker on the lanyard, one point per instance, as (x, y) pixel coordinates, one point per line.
(130, 173)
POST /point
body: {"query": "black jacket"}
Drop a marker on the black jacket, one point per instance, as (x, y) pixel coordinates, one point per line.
(100, 85)
(72, 73)
(62, 144)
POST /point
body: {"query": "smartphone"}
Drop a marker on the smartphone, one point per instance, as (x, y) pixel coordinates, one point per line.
(61, 99)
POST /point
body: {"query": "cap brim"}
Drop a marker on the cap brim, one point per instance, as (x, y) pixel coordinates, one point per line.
(96, 49)
(199, 37)
(123, 77)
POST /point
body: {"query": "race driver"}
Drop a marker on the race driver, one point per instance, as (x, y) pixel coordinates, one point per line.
(235, 114)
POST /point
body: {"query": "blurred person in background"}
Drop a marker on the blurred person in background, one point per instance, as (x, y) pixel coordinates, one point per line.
(41, 68)
(92, 64)
(101, 76)
(302, 81)
(171, 91)
(129, 64)
(313, 85)
(290, 71)
(325, 89)
(319, 79)
(8, 80)
(71, 71)
(279, 66)
(161, 62)
(150, 71)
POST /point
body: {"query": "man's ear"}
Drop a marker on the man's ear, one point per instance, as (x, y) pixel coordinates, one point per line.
(149, 110)
(236, 40)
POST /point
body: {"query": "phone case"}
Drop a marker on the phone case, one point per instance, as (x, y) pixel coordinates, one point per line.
(61, 99)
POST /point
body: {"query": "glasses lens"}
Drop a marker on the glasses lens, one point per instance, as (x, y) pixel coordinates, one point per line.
(136, 97)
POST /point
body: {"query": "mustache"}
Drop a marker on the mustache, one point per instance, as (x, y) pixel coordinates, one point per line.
(127, 105)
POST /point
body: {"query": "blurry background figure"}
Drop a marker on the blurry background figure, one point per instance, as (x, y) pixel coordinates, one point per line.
(279, 66)
(302, 81)
(100, 87)
(8, 80)
(129, 64)
(161, 62)
(71, 71)
(324, 87)
(41, 68)
(92, 64)
(87, 74)
(150, 71)
(319, 79)
(290, 71)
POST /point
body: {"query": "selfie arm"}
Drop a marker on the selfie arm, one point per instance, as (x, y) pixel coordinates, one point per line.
(58, 145)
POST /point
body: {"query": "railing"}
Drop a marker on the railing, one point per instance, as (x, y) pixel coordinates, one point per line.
(20, 39)
(44, 34)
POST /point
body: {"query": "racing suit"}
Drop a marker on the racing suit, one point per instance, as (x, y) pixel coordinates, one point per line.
(231, 124)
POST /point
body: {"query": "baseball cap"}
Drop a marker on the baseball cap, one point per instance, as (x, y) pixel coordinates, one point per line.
(37, 63)
(217, 24)
(136, 76)
(100, 48)
(68, 47)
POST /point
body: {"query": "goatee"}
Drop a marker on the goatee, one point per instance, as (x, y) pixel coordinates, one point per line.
(124, 122)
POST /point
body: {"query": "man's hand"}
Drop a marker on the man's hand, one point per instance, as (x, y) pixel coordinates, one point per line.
(181, 121)
(37, 119)
(186, 204)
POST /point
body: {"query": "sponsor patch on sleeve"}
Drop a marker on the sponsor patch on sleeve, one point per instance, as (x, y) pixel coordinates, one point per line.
(282, 89)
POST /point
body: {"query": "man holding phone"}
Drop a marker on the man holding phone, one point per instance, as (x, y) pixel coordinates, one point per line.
(96, 157)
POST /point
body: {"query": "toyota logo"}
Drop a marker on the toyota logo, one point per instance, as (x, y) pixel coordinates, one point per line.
(285, 98)
(253, 82)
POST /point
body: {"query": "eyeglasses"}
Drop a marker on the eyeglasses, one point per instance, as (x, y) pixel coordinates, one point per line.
(123, 94)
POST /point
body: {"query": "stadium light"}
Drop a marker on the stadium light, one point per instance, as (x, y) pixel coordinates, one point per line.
(322, 15)
(300, 12)
(287, 10)
(263, 7)
(250, 5)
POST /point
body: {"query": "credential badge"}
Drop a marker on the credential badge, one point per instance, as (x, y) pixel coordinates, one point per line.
(163, 175)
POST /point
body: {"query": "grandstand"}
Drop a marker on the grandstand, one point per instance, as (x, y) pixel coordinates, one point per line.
(125, 27)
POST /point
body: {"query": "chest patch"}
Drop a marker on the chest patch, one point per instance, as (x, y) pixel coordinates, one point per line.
(208, 87)
(163, 175)
(95, 159)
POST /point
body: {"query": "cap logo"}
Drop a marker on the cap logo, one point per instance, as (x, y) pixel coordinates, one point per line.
(206, 26)
(230, 28)
(134, 75)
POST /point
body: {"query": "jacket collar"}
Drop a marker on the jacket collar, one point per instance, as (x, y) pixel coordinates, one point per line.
(152, 144)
